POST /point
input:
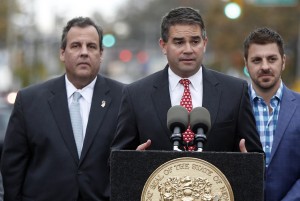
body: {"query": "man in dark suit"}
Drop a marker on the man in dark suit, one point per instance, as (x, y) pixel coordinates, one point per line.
(42, 160)
(142, 121)
(277, 112)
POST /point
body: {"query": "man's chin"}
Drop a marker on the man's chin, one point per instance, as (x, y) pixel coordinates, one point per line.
(189, 70)
(84, 76)
(266, 85)
(84, 72)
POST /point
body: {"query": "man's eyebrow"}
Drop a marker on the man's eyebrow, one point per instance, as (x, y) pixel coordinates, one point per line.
(272, 55)
(91, 42)
(74, 42)
(178, 38)
(261, 56)
(182, 38)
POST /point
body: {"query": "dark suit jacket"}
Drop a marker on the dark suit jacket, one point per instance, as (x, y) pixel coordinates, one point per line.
(40, 160)
(145, 103)
(283, 172)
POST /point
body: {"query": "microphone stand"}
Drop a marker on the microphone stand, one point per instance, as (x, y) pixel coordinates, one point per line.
(176, 138)
(200, 139)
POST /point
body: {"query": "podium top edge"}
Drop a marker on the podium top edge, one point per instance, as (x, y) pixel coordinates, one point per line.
(185, 152)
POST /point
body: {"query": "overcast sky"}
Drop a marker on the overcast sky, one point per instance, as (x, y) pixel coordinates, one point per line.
(45, 10)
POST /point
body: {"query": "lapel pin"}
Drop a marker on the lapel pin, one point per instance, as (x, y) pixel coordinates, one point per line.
(103, 103)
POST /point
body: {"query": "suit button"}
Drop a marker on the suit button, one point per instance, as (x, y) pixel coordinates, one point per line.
(79, 173)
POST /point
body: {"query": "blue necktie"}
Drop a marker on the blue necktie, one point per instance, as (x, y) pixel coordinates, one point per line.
(76, 121)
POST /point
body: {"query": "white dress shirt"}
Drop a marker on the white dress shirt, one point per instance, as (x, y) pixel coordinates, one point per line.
(85, 101)
(176, 89)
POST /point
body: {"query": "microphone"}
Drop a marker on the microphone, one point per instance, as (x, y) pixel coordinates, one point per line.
(200, 124)
(177, 122)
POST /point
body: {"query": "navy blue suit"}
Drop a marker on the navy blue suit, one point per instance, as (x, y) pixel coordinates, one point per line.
(40, 160)
(145, 103)
(283, 172)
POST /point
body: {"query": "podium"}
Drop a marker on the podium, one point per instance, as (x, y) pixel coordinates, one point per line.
(130, 170)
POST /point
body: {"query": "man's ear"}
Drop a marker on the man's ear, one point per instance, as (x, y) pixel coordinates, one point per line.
(62, 55)
(162, 45)
(283, 62)
(205, 44)
(245, 62)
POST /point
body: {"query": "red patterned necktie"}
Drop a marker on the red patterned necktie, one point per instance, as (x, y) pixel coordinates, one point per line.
(186, 101)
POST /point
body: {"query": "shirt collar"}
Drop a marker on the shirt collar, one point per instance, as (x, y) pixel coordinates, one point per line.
(86, 92)
(278, 94)
(196, 79)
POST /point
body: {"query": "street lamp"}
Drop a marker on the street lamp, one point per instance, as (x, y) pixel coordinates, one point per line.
(232, 10)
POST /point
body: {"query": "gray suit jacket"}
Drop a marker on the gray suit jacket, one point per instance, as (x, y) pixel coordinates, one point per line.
(40, 160)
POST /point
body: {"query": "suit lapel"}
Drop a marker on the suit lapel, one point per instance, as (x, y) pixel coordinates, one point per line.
(210, 92)
(162, 101)
(59, 107)
(287, 109)
(100, 105)
(161, 97)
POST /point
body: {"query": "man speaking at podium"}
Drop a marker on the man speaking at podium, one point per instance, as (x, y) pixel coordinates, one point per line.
(142, 121)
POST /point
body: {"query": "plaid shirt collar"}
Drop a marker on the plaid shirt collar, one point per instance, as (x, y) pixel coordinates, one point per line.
(255, 97)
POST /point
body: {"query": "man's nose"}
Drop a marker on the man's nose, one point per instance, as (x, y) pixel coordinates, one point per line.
(188, 48)
(84, 50)
(265, 64)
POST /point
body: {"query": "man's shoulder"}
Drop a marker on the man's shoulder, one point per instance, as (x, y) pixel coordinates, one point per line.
(45, 85)
(223, 78)
(290, 92)
(111, 82)
(149, 80)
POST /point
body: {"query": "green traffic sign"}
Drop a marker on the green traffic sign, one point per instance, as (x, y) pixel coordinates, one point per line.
(276, 2)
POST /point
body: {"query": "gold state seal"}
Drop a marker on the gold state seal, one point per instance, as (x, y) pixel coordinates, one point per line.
(187, 179)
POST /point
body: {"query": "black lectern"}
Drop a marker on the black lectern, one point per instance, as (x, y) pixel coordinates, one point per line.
(130, 171)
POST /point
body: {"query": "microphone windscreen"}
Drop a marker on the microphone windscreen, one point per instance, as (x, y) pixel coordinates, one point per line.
(200, 118)
(177, 116)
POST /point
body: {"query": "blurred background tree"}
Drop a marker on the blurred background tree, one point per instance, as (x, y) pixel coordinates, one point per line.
(226, 36)
(132, 50)
(6, 7)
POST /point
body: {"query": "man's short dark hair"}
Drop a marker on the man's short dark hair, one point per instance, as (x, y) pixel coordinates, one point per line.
(80, 22)
(263, 36)
(181, 15)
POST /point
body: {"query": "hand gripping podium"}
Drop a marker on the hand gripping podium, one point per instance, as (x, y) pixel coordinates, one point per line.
(186, 176)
